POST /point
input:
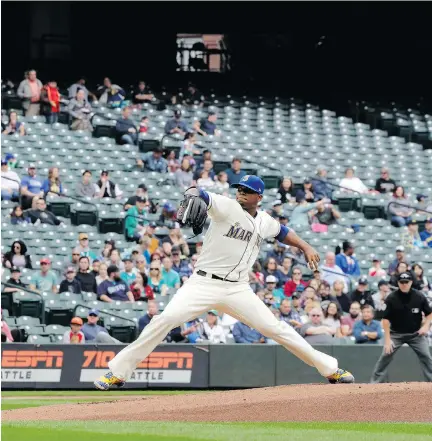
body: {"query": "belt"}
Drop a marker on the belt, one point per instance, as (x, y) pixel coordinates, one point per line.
(213, 276)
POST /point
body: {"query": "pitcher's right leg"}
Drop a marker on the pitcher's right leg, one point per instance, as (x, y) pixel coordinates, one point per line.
(193, 299)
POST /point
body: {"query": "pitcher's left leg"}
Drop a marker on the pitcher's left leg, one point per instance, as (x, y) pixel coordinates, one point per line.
(245, 306)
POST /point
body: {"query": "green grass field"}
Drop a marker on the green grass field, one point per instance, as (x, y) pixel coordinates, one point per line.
(178, 431)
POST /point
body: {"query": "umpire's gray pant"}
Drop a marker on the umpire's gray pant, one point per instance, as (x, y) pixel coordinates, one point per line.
(418, 343)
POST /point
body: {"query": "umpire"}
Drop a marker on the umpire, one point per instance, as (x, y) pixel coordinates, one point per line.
(402, 323)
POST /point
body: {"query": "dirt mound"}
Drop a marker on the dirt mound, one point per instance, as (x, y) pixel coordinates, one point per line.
(357, 402)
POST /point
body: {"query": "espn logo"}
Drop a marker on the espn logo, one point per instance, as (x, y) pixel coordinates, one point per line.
(156, 360)
(32, 359)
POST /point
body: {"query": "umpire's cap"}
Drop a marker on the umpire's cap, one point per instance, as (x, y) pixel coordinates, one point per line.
(252, 182)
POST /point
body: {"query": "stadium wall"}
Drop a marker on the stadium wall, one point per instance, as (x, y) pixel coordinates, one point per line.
(27, 367)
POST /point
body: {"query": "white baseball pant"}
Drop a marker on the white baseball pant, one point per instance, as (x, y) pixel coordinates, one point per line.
(200, 294)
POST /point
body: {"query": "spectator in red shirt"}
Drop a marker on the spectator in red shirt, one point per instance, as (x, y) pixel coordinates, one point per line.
(293, 285)
(140, 288)
(51, 102)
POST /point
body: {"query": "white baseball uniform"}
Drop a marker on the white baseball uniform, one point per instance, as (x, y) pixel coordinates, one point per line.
(230, 247)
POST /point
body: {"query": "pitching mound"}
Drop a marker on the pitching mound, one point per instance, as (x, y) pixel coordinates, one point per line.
(357, 402)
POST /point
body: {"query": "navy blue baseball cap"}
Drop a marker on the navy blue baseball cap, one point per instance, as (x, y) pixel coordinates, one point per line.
(252, 182)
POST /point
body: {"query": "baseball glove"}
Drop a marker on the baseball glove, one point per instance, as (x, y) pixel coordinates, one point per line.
(193, 211)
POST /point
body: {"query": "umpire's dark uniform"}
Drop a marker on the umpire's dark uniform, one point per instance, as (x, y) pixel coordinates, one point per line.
(403, 309)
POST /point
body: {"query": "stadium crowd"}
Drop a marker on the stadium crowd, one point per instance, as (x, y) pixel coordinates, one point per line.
(335, 302)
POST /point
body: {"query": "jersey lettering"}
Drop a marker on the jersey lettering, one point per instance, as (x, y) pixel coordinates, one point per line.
(258, 242)
(239, 233)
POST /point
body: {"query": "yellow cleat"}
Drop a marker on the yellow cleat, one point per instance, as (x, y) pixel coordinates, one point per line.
(107, 381)
(341, 376)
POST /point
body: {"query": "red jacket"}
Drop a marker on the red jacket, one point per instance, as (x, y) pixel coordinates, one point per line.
(53, 95)
(290, 287)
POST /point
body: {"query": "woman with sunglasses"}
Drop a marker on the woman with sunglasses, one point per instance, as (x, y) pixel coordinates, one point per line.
(221, 279)
(155, 278)
(17, 256)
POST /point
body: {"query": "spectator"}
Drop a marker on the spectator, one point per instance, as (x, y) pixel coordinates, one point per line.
(17, 256)
(86, 278)
(152, 310)
(235, 174)
(322, 188)
(86, 188)
(141, 192)
(50, 98)
(14, 126)
(244, 334)
(125, 129)
(80, 85)
(384, 183)
(42, 215)
(367, 330)
(10, 182)
(155, 278)
(70, 284)
(400, 257)
(276, 210)
(332, 319)
(170, 278)
(188, 146)
(420, 280)
(401, 268)
(136, 219)
(103, 274)
(286, 191)
(380, 297)
(75, 335)
(184, 176)
(153, 161)
(12, 161)
(299, 215)
(144, 125)
(140, 288)
(326, 215)
(193, 97)
(94, 332)
(207, 166)
(129, 273)
(289, 315)
(331, 272)
(346, 260)
(108, 247)
(314, 331)
(178, 264)
(31, 187)
(173, 163)
(79, 110)
(175, 238)
(18, 217)
(52, 186)
(361, 294)
(351, 183)
(399, 208)
(95, 267)
(376, 270)
(176, 125)
(14, 279)
(205, 181)
(84, 248)
(112, 94)
(107, 188)
(411, 238)
(426, 235)
(206, 156)
(142, 94)
(208, 126)
(293, 285)
(73, 261)
(212, 330)
(324, 292)
(222, 181)
(44, 280)
(115, 259)
(285, 270)
(114, 288)
(278, 252)
(307, 190)
(271, 287)
(348, 321)
(6, 333)
(29, 91)
(338, 292)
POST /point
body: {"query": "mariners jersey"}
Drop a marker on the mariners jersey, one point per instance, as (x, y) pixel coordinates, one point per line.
(233, 240)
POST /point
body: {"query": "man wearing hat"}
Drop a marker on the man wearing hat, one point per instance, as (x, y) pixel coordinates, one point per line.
(411, 237)
(426, 235)
(176, 125)
(136, 218)
(94, 332)
(31, 187)
(70, 284)
(44, 280)
(153, 161)
(10, 182)
(400, 257)
(75, 336)
(320, 184)
(83, 247)
(361, 294)
(15, 279)
(277, 209)
(221, 279)
(141, 192)
(403, 323)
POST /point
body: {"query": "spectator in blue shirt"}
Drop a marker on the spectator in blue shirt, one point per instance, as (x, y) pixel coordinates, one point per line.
(126, 131)
(31, 187)
(114, 288)
(244, 334)
(180, 265)
(319, 183)
(235, 173)
(346, 260)
(426, 235)
(176, 125)
(367, 330)
(289, 315)
(208, 126)
(170, 278)
(153, 161)
(152, 310)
